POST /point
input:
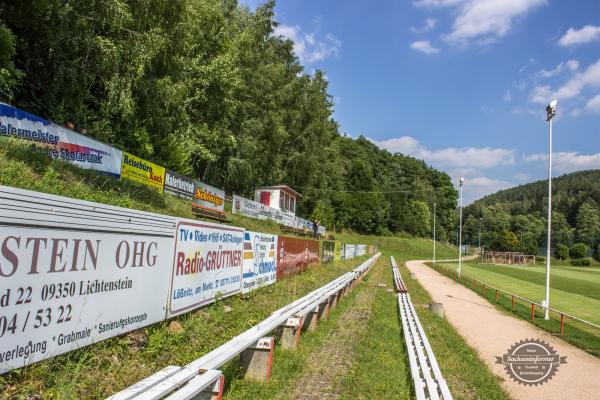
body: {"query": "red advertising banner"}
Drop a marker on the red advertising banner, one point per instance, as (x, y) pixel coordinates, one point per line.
(295, 255)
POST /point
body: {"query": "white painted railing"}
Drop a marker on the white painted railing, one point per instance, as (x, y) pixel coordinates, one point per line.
(185, 382)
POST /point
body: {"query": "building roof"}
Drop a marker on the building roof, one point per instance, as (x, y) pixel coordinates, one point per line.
(283, 188)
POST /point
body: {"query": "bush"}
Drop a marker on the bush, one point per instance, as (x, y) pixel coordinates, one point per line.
(581, 262)
(561, 252)
(597, 252)
(578, 250)
(539, 258)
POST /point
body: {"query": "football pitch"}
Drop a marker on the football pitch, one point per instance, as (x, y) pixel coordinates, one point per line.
(574, 290)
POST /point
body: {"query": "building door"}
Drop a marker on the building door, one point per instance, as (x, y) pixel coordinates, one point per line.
(265, 198)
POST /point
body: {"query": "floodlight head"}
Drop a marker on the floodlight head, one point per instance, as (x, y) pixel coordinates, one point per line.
(461, 181)
(551, 109)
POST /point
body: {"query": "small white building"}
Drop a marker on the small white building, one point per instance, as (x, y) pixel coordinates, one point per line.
(281, 197)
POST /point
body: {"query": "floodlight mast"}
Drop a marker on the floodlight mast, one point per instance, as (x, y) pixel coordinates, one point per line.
(551, 112)
(460, 229)
(434, 206)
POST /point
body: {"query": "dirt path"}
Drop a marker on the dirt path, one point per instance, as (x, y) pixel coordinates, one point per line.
(492, 333)
(328, 364)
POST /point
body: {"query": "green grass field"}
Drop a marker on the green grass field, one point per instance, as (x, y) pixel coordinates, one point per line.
(573, 290)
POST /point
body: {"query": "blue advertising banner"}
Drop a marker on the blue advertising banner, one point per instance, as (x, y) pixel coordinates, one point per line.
(58, 142)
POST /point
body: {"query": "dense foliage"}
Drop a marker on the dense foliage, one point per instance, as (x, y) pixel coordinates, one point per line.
(522, 211)
(205, 88)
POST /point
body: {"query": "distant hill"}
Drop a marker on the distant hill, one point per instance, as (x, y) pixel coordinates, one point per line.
(522, 211)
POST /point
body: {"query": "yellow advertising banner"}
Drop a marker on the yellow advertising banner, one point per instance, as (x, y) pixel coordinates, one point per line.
(139, 170)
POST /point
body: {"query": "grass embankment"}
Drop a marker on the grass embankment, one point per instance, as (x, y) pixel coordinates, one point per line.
(26, 170)
(574, 290)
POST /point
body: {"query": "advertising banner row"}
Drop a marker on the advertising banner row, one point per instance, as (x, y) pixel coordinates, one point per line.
(350, 251)
(254, 209)
(64, 144)
(63, 287)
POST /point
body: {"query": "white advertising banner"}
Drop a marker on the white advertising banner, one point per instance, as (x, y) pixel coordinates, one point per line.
(58, 142)
(207, 262)
(361, 250)
(349, 251)
(253, 209)
(62, 289)
(260, 260)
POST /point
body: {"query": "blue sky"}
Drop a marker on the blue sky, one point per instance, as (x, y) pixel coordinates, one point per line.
(461, 84)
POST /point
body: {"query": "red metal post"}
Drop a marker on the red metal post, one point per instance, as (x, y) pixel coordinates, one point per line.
(497, 295)
(562, 324)
(532, 311)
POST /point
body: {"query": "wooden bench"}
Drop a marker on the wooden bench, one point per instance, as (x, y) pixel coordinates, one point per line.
(204, 213)
(297, 231)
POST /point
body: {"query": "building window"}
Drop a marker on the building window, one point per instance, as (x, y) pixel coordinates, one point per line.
(293, 204)
(281, 200)
(287, 201)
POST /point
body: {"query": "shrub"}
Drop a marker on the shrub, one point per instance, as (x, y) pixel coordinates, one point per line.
(561, 252)
(581, 262)
(539, 258)
(578, 250)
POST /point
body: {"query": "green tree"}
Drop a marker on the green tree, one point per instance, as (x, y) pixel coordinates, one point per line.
(588, 224)
(578, 250)
(561, 251)
(10, 76)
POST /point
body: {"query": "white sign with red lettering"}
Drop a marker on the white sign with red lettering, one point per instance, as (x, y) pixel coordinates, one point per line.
(207, 264)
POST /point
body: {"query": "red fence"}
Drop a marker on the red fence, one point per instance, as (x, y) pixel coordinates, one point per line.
(295, 255)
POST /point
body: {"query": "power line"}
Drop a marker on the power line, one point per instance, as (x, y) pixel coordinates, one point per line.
(368, 191)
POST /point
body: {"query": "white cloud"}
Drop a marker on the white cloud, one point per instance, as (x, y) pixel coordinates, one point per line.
(593, 104)
(523, 177)
(482, 21)
(424, 47)
(430, 23)
(572, 88)
(567, 161)
(507, 96)
(570, 65)
(477, 187)
(307, 47)
(573, 37)
(450, 157)
(458, 162)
